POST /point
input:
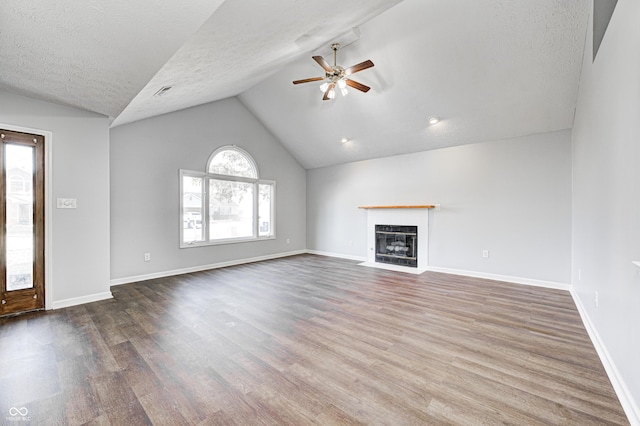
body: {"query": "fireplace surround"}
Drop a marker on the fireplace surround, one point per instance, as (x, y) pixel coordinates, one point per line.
(417, 216)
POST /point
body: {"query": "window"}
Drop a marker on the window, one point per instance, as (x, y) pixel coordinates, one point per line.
(228, 203)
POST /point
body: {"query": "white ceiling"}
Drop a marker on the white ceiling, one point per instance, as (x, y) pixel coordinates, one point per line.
(491, 69)
(92, 54)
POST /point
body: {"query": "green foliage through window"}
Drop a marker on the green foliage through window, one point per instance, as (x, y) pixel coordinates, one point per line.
(228, 203)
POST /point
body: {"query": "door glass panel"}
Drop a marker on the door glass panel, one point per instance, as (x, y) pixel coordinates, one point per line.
(19, 216)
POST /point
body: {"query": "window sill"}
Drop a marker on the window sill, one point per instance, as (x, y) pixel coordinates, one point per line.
(225, 242)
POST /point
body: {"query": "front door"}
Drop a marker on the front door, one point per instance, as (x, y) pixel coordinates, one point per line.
(21, 222)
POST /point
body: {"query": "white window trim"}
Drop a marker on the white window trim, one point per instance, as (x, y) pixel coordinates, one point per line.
(248, 156)
(256, 207)
(205, 209)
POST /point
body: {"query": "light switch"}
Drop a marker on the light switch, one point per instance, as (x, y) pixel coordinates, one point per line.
(66, 203)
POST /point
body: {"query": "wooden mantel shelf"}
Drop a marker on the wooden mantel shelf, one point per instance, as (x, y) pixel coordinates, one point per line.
(426, 206)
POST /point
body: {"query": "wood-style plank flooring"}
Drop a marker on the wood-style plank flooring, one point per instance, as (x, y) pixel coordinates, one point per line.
(307, 340)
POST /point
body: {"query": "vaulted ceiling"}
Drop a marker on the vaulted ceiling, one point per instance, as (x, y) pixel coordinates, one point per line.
(490, 69)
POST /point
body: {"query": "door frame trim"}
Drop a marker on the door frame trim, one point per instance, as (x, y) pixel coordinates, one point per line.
(48, 207)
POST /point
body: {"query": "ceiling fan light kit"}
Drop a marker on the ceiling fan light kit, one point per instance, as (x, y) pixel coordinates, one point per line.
(337, 76)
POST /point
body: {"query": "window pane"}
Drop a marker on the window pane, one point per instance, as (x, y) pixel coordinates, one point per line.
(230, 209)
(232, 162)
(265, 210)
(19, 217)
(192, 209)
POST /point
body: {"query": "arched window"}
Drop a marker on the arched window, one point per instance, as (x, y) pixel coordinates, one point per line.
(232, 161)
(228, 202)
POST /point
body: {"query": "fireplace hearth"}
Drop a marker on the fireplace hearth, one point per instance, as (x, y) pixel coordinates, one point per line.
(397, 245)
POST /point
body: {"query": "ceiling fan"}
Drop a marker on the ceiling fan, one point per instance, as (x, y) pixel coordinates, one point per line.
(337, 76)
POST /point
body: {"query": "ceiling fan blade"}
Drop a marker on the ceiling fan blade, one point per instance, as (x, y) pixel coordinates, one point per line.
(330, 87)
(308, 80)
(359, 67)
(357, 85)
(324, 64)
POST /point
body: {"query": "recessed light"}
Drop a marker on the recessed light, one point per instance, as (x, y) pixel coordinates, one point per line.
(433, 119)
(344, 140)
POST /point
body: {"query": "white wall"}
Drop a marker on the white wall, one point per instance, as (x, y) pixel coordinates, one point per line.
(79, 257)
(145, 159)
(511, 197)
(606, 203)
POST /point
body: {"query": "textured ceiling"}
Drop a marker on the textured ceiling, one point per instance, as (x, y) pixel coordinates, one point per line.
(111, 57)
(490, 68)
(241, 44)
(92, 54)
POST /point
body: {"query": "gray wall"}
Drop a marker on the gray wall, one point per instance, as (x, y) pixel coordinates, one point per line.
(606, 203)
(145, 159)
(80, 166)
(511, 197)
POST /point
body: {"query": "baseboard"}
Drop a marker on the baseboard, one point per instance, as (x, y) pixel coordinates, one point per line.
(145, 277)
(496, 277)
(338, 255)
(65, 303)
(505, 278)
(395, 268)
(627, 402)
(622, 391)
(617, 381)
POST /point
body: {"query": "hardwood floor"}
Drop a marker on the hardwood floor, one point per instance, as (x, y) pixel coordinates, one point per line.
(307, 340)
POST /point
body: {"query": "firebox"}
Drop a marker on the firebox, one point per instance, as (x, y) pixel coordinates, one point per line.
(397, 245)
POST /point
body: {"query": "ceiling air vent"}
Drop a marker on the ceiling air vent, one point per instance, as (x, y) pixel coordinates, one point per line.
(163, 90)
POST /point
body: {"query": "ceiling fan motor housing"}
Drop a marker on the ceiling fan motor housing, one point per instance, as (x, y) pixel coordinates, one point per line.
(337, 74)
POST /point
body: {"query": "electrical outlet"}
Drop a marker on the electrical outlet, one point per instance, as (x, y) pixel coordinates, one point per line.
(437, 207)
(288, 241)
(485, 253)
(596, 299)
(147, 257)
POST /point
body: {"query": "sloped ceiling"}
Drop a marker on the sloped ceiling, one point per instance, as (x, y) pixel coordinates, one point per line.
(92, 54)
(111, 57)
(243, 42)
(490, 69)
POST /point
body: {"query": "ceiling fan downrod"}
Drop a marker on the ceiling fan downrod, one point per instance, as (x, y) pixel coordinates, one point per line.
(335, 47)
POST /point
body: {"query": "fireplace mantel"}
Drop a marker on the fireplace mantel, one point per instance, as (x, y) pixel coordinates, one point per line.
(427, 206)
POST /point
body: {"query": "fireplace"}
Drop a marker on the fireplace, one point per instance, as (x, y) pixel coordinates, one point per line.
(397, 245)
(414, 216)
